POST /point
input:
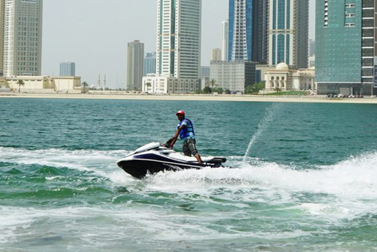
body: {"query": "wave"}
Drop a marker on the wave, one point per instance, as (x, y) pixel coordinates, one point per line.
(334, 195)
(353, 177)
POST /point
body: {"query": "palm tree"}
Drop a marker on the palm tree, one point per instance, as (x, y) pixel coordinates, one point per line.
(212, 82)
(148, 86)
(20, 83)
(84, 84)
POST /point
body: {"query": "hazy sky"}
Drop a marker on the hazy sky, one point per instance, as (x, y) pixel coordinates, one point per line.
(94, 34)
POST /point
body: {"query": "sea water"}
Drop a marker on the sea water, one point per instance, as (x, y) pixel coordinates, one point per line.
(299, 177)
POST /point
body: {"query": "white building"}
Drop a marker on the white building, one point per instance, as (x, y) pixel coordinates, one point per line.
(22, 37)
(178, 44)
(285, 79)
(179, 38)
(225, 40)
(45, 84)
(233, 75)
(171, 85)
(1, 36)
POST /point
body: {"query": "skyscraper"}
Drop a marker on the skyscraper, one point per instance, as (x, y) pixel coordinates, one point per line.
(260, 19)
(67, 69)
(225, 40)
(178, 38)
(248, 30)
(135, 58)
(311, 47)
(22, 45)
(149, 63)
(2, 14)
(346, 46)
(215, 54)
(288, 32)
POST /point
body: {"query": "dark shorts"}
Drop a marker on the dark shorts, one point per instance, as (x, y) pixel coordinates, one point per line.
(189, 147)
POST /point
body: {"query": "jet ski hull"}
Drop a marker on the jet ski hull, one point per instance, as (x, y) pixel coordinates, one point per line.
(153, 158)
(140, 168)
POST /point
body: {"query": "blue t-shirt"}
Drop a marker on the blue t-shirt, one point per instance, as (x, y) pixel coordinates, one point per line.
(187, 131)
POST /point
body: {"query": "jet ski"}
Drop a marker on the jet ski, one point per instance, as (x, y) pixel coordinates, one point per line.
(155, 157)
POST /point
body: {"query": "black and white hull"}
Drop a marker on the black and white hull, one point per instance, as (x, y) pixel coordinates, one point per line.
(153, 158)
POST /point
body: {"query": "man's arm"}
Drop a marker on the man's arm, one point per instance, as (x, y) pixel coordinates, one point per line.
(175, 137)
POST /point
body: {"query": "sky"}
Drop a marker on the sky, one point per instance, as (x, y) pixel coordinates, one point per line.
(94, 34)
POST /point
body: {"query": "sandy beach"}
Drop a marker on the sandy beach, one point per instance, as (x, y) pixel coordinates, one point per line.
(193, 97)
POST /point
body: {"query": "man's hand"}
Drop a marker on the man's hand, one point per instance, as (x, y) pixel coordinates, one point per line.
(173, 140)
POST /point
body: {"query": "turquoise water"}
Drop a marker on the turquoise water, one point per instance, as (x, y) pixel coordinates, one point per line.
(302, 177)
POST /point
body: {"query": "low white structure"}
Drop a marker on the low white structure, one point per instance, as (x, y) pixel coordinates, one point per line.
(29, 82)
(44, 83)
(166, 85)
(286, 79)
(66, 83)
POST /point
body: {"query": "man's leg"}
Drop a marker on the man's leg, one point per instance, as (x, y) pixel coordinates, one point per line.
(193, 150)
(198, 158)
(186, 149)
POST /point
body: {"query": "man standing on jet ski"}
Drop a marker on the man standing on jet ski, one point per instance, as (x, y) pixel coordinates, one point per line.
(185, 130)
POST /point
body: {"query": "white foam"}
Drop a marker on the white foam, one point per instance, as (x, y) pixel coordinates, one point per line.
(347, 189)
(344, 190)
(83, 160)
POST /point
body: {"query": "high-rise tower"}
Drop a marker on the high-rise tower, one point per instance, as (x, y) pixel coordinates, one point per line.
(225, 40)
(149, 63)
(248, 30)
(178, 38)
(135, 58)
(22, 44)
(346, 38)
(288, 32)
(67, 69)
(1, 36)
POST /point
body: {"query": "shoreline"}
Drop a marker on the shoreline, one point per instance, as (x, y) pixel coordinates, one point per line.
(194, 97)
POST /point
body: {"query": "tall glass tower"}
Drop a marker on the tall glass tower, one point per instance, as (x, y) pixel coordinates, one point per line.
(248, 30)
(67, 69)
(178, 38)
(289, 32)
(225, 40)
(149, 63)
(345, 46)
(22, 42)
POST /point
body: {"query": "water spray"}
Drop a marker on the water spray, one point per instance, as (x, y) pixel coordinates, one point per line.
(262, 125)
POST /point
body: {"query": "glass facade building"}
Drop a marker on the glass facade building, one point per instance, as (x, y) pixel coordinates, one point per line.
(247, 39)
(345, 46)
(67, 69)
(289, 32)
(149, 64)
